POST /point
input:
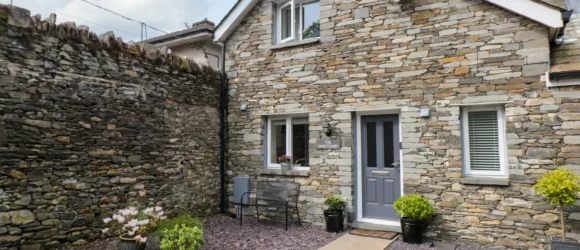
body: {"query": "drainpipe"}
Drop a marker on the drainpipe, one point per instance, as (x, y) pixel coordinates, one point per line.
(223, 107)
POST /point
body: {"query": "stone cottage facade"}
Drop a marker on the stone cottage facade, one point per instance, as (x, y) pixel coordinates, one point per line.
(454, 59)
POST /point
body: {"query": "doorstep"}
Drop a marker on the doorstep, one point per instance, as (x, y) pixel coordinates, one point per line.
(371, 224)
(355, 242)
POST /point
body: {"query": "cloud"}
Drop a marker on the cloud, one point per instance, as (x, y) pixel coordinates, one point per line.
(168, 16)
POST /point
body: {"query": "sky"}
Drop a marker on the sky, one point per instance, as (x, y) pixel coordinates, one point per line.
(166, 15)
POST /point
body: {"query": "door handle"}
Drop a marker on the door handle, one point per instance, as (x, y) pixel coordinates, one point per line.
(396, 165)
(380, 172)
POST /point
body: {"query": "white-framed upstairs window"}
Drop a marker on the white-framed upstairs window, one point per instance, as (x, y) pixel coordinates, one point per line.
(483, 139)
(297, 20)
(288, 135)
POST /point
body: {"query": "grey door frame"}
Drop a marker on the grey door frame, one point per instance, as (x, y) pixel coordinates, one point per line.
(357, 131)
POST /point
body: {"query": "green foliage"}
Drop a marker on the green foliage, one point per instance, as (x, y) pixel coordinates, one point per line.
(182, 237)
(559, 186)
(334, 202)
(184, 219)
(3, 19)
(183, 64)
(414, 207)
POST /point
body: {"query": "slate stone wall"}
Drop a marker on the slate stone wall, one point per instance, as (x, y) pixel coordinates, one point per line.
(435, 54)
(89, 125)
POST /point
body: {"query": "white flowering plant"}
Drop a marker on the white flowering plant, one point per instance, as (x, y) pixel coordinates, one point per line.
(134, 222)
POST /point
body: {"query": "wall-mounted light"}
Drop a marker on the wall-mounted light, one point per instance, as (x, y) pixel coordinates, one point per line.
(327, 129)
(426, 113)
(244, 107)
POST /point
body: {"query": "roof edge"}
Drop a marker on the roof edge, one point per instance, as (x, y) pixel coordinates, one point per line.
(232, 19)
(551, 4)
(539, 12)
(177, 35)
(532, 10)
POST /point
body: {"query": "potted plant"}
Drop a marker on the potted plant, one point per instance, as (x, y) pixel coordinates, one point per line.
(132, 225)
(334, 214)
(285, 162)
(414, 210)
(561, 188)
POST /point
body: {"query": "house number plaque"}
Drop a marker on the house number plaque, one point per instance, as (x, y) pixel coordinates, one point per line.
(328, 144)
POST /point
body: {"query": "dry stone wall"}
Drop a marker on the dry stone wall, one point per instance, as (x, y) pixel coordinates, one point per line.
(436, 54)
(89, 125)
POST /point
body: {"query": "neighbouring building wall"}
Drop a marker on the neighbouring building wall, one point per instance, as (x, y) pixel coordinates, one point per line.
(416, 54)
(89, 126)
(195, 53)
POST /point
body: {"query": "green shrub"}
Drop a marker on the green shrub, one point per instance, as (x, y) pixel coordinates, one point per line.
(334, 202)
(561, 188)
(182, 237)
(414, 207)
(183, 219)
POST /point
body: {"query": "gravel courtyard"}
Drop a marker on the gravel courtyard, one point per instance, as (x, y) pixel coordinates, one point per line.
(222, 232)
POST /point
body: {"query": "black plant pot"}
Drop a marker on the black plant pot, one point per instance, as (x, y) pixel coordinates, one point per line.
(128, 243)
(558, 244)
(334, 220)
(412, 230)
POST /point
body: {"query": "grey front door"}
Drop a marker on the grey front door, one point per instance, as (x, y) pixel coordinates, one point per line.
(381, 178)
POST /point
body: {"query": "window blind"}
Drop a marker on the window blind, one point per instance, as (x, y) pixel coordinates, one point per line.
(484, 141)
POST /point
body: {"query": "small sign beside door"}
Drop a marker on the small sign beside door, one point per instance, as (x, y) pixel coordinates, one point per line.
(328, 144)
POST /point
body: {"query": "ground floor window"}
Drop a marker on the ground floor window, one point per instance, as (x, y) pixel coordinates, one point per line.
(483, 138)
(289, 136)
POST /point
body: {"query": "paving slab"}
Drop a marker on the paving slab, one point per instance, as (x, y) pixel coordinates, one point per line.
(355, 242)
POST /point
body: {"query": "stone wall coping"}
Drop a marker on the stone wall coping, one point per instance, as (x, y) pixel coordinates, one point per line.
(295, 43)
(480, 103)
(303, 173)
(20, 18)
(485, 181)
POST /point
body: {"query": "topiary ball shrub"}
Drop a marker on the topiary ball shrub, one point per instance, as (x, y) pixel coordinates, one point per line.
(561, 188)
(414, 207)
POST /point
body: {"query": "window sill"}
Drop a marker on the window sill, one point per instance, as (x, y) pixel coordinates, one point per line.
(485, 181)
(302, 173)
(295, 43)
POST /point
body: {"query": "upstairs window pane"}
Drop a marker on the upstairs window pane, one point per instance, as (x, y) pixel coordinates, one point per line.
(310, 20)
(286, 22)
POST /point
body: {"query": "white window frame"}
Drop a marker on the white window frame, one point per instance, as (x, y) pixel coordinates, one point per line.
(292, 4)
(560, 83)
(279, 21)
(288, 120)
(502, 173)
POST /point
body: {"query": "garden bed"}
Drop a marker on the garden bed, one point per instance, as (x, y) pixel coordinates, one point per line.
(221, 232)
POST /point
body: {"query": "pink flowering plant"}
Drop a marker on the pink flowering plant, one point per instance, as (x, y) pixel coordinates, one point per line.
(284, 158)
(135, 223)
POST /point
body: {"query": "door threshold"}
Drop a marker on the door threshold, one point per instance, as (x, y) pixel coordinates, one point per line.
(376, 224)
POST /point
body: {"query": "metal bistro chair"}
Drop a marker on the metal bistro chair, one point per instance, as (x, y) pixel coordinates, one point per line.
(274, 194)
